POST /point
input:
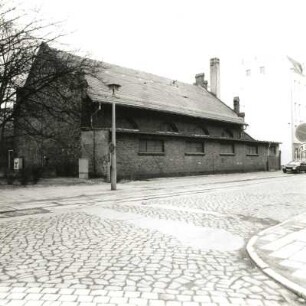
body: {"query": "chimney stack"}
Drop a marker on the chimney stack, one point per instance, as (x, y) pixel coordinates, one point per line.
(215, 76)
(199, 80)
(237, 107)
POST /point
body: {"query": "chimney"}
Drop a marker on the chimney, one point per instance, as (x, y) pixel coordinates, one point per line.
(215, 76)
(199, 80)
(237, 107)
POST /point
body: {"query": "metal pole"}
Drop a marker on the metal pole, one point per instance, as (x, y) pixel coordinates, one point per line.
(113, 153)
(113, 174)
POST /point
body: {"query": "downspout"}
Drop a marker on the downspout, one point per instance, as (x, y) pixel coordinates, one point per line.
(268, 156)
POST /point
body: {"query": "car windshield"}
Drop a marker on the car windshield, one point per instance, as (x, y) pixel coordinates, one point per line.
(294, 163)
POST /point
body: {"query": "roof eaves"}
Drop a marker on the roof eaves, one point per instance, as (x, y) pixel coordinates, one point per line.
(207, 137)
(180, 111)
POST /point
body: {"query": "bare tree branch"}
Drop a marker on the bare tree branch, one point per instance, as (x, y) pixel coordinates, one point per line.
(27, 62)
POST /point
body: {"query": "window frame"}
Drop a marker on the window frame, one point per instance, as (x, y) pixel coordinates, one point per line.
(146, 152)
(227, 133)
(200, 130)
(249, 153)
(168, 127)
(130, 121)
(227, 153)
(187, 152)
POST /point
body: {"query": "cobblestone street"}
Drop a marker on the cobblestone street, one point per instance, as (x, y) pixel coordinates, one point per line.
(152, 243)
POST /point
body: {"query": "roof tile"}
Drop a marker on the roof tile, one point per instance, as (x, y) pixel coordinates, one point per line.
(145, 90)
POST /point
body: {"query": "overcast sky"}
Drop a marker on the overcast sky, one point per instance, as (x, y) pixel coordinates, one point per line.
(176, 38)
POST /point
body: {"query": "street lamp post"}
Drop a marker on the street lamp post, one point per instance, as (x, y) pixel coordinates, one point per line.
(113, 87)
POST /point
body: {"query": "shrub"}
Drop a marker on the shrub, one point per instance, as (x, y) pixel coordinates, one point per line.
(24, 176)
(10, 177)
(67, 169)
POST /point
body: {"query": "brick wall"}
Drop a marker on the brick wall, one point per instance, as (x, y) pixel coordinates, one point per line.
(48, 129)
(175, 161)
(132, 164)
(94, 147)
(57, 158)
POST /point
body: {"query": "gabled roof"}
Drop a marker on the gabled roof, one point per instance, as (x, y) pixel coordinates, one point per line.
(145, 90)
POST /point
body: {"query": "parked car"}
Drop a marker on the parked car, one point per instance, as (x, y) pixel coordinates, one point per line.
(295, 166)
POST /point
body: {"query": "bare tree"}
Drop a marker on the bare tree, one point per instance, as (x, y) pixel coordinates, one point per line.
(27, 62)
(33, 76)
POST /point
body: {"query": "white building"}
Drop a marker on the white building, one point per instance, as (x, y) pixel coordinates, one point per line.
(272, 92)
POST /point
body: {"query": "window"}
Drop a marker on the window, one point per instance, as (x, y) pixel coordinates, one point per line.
(205, 130)
(252, 150)
(227, 133)
(227, 148)
(168, 127)
(126, 123)
(152, 146)
(195, 147)
(248, 72)
(262, 70)
(200, 130)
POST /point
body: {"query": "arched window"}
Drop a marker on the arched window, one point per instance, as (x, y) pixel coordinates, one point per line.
(227, 133)
(168, 127)
(126, 123)
(200, 130)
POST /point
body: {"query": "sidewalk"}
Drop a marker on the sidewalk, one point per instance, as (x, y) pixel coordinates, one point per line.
(280, 251)
(65, 191)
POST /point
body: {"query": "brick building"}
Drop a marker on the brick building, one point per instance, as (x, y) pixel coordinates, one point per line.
(164, 128)
(6, 143)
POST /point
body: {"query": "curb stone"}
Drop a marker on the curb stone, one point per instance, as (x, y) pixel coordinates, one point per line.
(299, 290)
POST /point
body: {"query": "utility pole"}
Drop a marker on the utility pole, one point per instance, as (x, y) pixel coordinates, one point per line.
(113, 87)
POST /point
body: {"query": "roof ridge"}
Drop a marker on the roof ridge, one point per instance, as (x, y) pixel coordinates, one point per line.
(152, 74)
(152, 91)
(101, 62)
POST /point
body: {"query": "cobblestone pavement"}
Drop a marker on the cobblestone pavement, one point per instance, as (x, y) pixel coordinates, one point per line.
(117, 252)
